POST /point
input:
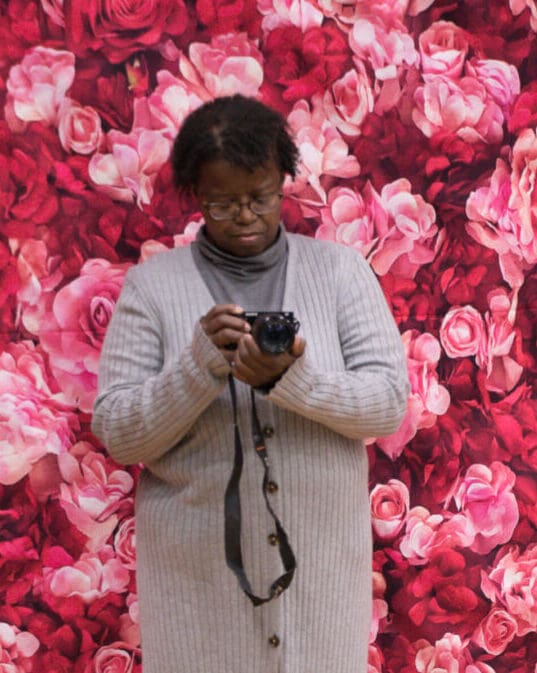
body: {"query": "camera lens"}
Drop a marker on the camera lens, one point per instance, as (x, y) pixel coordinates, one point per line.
(274, 334)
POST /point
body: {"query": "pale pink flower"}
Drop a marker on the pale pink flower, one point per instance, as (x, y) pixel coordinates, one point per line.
(427, 400)
(128, 172)
(229, 64)
(495, 631)
(443, 49)
(152, 247)
(518, 6)
(54, 9)
(523, 197)
(301, 13)
(125, 543)
(503, 372)
(496, 225)
(129, 622)
(448, 655)
(16, 649)
(91, 577)
(389, 506)
(463, 107)
(347, 219)
(91, 492)
(374, 660)
(512, 582)
(37, 86)
(167, 107)
(499, 78)
(379, 612)
(416, 7)
(115, 658)
(35, 420)
(348, 101)
(462, 332)
(406, 228)
(76, 325)
(385, 49)
(79, 127)
(428, 534)
(39, 275)
(485, 496)
(323, 153)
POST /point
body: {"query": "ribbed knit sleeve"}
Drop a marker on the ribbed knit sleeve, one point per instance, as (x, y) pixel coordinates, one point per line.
(369, 398)
(146, 405)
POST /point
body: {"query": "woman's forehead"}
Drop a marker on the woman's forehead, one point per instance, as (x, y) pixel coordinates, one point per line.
(221, 177)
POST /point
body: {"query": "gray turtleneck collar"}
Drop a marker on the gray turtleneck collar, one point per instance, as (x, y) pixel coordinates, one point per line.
(256, 283)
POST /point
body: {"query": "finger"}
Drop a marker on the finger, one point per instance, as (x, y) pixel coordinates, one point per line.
(298, 347)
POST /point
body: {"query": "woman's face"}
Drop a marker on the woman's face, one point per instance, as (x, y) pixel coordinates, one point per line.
(247, 233)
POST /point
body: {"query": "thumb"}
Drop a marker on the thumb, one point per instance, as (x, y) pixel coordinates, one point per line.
(298, 347)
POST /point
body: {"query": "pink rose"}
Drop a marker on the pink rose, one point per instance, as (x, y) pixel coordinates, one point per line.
(298, 13)
(463, 107)
(496, 631)
(230, 64)
(90, 578)
(323, 152)
(115, 658)
(37, 86)
(502, 371)
(35, 420)
(76, 324)
(427, 535)
(16, 649)
(443, 50)
(427, 400)
(523, 198)
(485, 496)
(462, 332)
(129, 171)
(448, 655)
(91, 492)
(374, 660)
(348, 101)
(167, 106)
(389, 506)
(39, 274)
(79, 127)
(497, 226)
(518, 6)
(385, 49)
(129, 629)
(511, 582)
(500, 79)
(125, 543)
(406, 227)
(347, 219)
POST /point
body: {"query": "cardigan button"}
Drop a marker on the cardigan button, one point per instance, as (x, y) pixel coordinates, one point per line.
(268, 431)
(274, 640)
(273, 539)
(272, 487)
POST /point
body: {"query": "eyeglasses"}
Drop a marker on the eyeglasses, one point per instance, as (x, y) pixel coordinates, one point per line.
(228, 210)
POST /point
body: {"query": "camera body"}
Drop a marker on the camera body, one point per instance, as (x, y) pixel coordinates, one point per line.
(273, 331)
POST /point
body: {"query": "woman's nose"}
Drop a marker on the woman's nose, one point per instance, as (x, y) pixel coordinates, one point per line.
(245, 215)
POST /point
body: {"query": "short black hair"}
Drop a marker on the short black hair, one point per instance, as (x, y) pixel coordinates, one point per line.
(241, 130)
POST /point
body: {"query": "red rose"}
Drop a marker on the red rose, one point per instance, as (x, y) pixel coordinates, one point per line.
(118, 29)
(305, 63)
(228, 16)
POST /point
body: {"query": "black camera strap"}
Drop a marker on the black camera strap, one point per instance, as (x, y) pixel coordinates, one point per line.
(232, 510)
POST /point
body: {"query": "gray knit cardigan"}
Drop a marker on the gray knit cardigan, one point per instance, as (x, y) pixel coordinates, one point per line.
(163, 400)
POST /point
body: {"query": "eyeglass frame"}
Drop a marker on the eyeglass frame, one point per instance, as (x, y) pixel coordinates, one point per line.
(238, 206)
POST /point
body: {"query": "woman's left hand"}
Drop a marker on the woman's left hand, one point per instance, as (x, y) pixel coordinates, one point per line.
(256, 368)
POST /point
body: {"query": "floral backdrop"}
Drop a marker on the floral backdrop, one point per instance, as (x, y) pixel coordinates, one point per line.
(416, 121)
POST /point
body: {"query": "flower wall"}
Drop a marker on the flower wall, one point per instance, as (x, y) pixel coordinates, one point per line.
(416, 121)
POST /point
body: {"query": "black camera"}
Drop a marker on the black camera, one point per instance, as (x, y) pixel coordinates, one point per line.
(273, 331)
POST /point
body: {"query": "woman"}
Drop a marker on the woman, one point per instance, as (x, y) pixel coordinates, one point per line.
(178, 352)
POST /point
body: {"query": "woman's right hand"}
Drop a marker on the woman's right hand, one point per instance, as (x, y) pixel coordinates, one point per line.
(224, 327)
